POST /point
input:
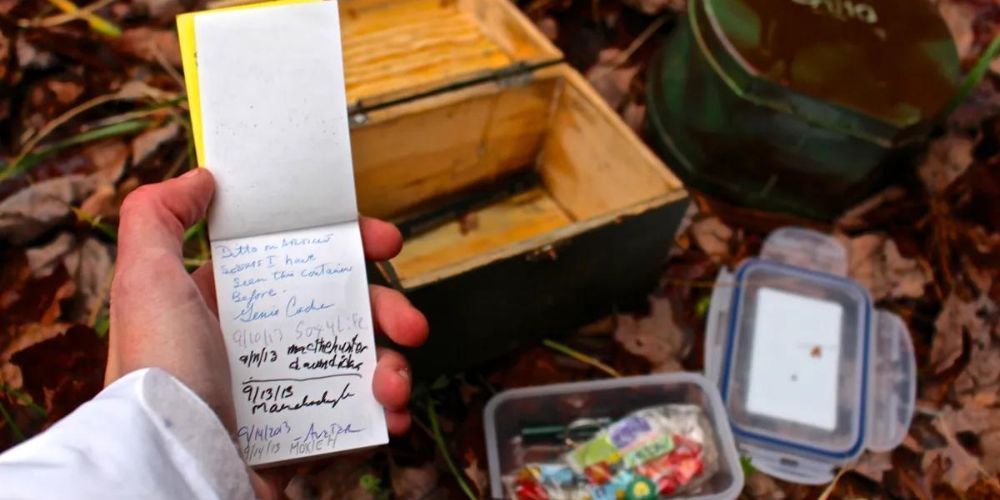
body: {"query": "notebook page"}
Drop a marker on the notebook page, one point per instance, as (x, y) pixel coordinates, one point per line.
(287, 257)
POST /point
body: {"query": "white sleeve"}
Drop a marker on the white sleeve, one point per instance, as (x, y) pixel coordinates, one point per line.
(144, 436)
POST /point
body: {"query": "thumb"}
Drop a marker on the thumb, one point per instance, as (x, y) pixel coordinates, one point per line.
(154, 217)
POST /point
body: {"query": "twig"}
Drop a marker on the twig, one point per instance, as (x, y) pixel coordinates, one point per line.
(833, 484)
(96, 23)
(160, 58)
(439, 439)
(579, 356)
(632, 47)
(65, 17)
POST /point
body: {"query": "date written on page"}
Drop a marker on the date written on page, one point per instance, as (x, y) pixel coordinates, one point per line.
(299, 343)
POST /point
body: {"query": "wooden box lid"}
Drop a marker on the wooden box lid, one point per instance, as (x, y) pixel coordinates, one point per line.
(398, 50)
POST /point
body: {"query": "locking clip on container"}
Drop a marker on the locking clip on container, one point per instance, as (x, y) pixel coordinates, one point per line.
(810, 373)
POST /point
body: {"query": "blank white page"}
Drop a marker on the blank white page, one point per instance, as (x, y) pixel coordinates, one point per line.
(274, 118)
(795, 359)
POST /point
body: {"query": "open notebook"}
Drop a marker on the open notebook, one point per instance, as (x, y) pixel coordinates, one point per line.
(269, 114)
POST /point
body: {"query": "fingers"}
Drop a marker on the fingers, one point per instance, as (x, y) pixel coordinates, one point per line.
(391, 385)
(396, 317)
(381, 240)
(153, 217)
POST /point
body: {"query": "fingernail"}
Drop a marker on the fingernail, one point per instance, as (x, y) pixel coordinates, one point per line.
(190, 173)
(405, 373)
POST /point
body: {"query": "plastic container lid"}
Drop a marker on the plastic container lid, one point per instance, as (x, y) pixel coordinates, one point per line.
(810, 374)
(509, 412)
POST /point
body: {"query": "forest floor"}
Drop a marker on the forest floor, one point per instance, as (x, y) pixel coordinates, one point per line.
(91, 109)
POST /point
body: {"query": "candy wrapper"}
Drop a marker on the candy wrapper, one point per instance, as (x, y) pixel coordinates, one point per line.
(653, 452)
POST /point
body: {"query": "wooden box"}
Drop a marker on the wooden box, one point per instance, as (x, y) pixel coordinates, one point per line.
(529, 207)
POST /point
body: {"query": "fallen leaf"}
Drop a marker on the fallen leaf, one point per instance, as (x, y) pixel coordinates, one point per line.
(43, 259)
(103, 203)
(413, 483)
(610, 78)
(978, 317)
(959, 18)
(875, 262)
(873, 465)
(653, 7)
(65, 91)
(713, 237)
(64, 371)
(37, 208)
(159, 9)
(146, 143)
(869, 212)
(634, 115)
(109, 158)
(549, 27)
(31, 57)
(961, 468)
(946, 160)
(760, 485)
(340, 479)
(91, 266)
(146, 43)
(6, 47)
(656, 337)
(476, 473)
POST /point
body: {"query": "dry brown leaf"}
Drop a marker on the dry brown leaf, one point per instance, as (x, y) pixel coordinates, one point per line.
(65, 91)
(30, 57)
(341, 479)
(102, 203)
(109, 158)
(91, 266)
(875, 262)
(946, 160)
(43, 259)
(873, 465)
(610, 79)
(476, 473)
(959, 18)
(37, 208)
(146, 143)
(549, 27)
(6, 47)
(977, 317)
(713, 236)
(962, 469)
(413, 483)
(656, 337)
(145, 43)
(634, 115)
(653, 7)
(159, 9)
(763, 486)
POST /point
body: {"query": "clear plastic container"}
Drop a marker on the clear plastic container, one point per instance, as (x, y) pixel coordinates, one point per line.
(509, 412)
(810, 373)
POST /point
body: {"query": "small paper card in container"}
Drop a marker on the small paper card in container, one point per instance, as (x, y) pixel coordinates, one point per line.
(269, 114)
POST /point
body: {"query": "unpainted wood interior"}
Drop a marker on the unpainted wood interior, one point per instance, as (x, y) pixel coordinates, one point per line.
(398, 48)
(588, 163)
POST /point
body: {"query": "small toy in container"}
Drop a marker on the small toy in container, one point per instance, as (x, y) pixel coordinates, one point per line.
(810, 373)
(631, 438)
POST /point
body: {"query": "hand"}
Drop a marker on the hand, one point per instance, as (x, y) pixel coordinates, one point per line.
(163, 317)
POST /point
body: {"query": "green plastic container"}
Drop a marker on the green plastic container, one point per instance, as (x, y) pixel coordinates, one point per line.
(799, 106)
